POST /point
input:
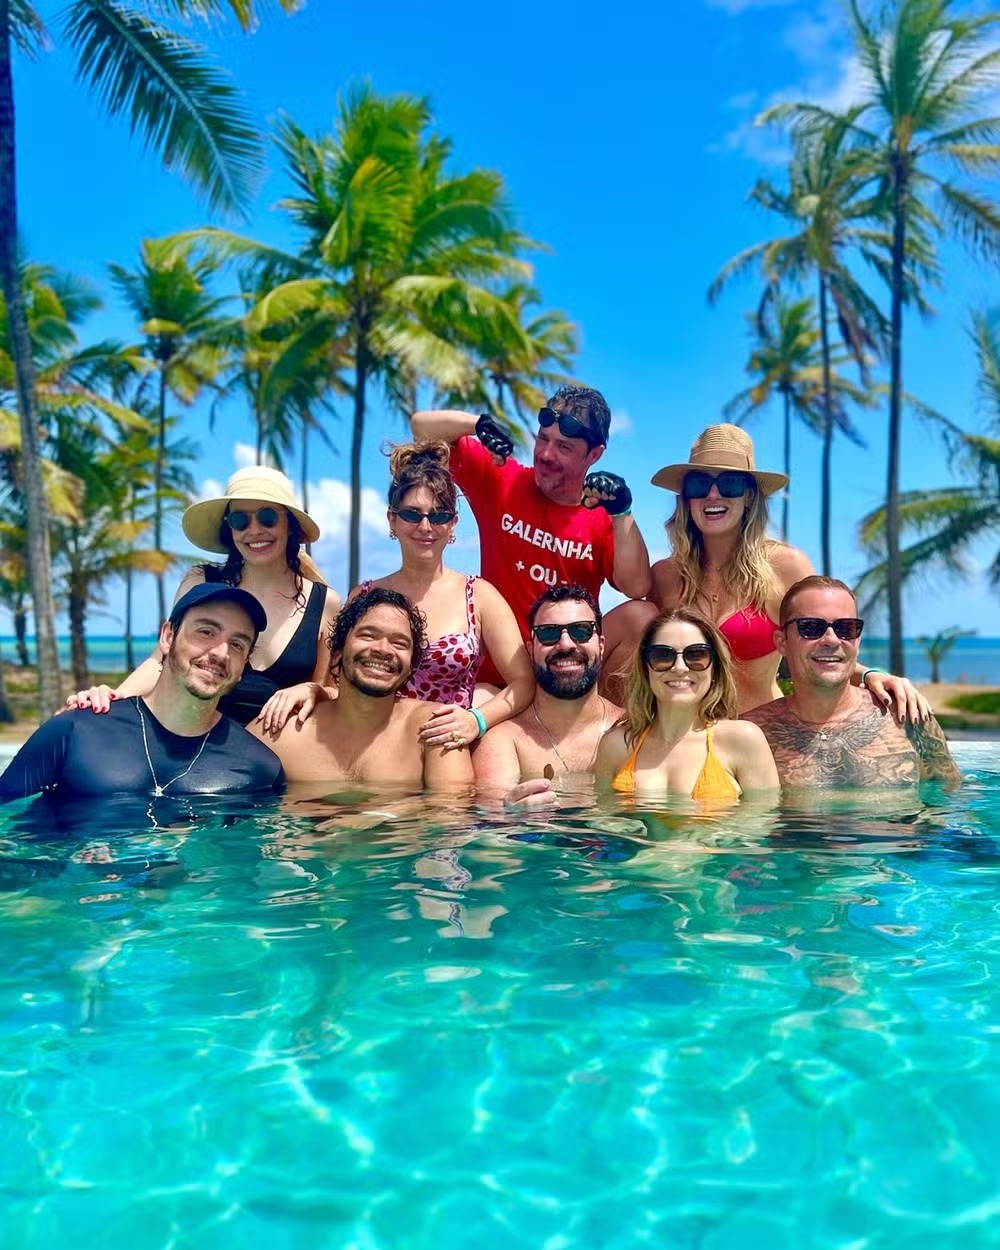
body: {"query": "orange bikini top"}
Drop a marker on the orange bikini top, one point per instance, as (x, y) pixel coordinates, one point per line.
(713, 781)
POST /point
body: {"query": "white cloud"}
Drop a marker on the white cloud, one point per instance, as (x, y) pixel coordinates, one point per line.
(741, 6)
(621, 423)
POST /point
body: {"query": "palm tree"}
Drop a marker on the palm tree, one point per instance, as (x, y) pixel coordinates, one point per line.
(398, 257)
(937, 646)
(184, 332)
(787, 359)
(182, 108)
(926, 74)
(828, 204)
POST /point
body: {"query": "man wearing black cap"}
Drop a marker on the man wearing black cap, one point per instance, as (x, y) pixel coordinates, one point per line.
(174, 741)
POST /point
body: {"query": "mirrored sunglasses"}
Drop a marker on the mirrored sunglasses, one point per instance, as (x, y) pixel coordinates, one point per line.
(579, 631)
(732, 483)
(239, 520)
(847, 628)
(412, 516)
(569, 427)
(661, 658)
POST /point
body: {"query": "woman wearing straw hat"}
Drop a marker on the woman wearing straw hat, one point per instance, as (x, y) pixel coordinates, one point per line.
(724, 565)
(260, 529)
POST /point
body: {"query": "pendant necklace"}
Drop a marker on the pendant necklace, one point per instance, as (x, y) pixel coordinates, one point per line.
(158, 790)
(552, 741)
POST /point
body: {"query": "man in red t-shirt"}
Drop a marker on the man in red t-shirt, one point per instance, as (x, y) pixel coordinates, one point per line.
(555, 523)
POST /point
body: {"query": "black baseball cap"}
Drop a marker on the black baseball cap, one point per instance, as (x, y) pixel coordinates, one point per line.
(206, 591)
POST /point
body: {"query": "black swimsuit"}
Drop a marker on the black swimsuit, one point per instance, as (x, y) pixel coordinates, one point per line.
(295, 664)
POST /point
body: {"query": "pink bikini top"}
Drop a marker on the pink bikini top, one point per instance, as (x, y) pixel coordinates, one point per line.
(447, 673)
(750, 633)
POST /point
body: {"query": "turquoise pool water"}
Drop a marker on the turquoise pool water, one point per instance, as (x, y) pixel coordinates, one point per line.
(589, 1030)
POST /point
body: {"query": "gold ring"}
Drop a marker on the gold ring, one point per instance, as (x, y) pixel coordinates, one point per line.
(456, 737)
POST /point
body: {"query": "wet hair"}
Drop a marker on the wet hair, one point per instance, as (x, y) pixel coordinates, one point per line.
(565, 594)
(748, 576)
(421, 464)
(719, 702)
(378, 596)
(588, 406)
(232, 571)
(815, 581)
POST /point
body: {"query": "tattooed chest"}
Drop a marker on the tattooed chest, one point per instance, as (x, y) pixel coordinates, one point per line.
(835, 760)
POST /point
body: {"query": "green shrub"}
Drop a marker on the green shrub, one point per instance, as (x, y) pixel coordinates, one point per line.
(983, 701)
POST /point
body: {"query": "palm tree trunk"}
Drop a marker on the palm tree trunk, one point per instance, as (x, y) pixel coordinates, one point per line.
(788, 464)
(6, 711)
(161, 446)
(360, 380)
(36, 509)
(894, 570)
(826, 482)
(129, 644)
(21, 634)
(77, 631)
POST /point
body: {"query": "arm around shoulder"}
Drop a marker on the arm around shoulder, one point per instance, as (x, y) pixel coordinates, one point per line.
(936, 762)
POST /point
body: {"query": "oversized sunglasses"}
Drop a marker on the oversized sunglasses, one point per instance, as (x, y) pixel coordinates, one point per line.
(413, 516)
(661, 658)
(569, 427)
(732, 483)
(239, 520)
(579, 631)
(847, 628)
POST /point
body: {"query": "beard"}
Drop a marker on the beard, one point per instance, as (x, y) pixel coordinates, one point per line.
(568, 685)
(187, 675)
(351, 672)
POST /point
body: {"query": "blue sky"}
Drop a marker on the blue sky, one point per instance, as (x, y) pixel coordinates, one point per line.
(625, 137)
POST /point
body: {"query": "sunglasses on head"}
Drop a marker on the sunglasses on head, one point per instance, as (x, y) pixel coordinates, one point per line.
(661, 658)
(579, 631)
(847, 628)
(569, 427)
(732, 483)
(239, 519)
(413, 516)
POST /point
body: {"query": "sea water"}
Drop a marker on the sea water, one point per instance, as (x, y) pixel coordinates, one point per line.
(597, 1029)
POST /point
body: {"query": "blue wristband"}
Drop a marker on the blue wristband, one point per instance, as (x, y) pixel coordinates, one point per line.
(480, 720)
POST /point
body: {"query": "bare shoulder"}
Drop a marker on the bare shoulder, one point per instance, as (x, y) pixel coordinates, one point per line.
(613, 750)
(331, 605)
(486, 594)
(735, 734)
(766, 713)
(194, 576)
(666, 583)
(789, 564)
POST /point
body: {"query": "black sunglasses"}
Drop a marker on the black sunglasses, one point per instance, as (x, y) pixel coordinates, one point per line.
(569, 427)
(413, 516)
(847, 628)
(239, 520)
(661, 658)
(579, 631)
(732, 483)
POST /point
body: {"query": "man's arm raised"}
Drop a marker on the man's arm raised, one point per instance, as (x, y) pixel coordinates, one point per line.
(936, 763)
(450, 424)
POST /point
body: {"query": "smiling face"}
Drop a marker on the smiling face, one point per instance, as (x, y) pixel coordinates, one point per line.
(826, 663)
(377, 658)
(259, 543)
(421, 540)
(207, 652)
(567, 669)
(561, 464)
(717, 515)
(680, 684)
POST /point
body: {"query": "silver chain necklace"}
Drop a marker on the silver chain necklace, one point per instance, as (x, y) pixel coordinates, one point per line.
(158, 790)
(552, 741)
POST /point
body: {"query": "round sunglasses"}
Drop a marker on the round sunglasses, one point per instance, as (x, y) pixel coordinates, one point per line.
(413, 516)
(569, 426)
(847, 628)
(732, 483)
(239, 519)
(661, 659)
(579, 631)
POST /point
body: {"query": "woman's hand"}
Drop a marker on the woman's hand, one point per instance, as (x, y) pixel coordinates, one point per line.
(898, 695)
(298, 701)
(450, 727)
(97, 698)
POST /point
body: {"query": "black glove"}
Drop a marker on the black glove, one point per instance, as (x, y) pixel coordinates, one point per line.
(494, 437)
(618, 499)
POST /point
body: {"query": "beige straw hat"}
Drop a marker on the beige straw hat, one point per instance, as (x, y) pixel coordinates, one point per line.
(202, 522)
(720, 447)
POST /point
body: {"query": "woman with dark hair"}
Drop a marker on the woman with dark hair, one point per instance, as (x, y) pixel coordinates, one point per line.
(260, 529)
(464, 614)
(679, 734)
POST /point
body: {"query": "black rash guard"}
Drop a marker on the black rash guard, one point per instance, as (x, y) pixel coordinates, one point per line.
(78, 753)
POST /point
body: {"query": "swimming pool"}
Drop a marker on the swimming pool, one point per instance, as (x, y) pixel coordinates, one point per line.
(570, 1031)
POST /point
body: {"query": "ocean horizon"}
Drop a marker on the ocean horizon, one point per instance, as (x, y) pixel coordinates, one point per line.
(971, 661)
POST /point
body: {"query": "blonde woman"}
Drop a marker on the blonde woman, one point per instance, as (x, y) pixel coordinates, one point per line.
(679, 734)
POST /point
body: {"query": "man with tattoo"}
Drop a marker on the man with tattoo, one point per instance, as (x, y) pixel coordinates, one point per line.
(827, 733)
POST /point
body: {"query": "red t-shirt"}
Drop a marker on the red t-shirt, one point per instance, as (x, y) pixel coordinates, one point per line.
(528, 543)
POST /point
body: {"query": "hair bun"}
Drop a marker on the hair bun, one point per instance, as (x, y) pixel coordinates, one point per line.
(403, 456)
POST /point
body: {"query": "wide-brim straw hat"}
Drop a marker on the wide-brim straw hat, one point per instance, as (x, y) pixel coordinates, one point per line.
(202, 522)
(718, 448)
